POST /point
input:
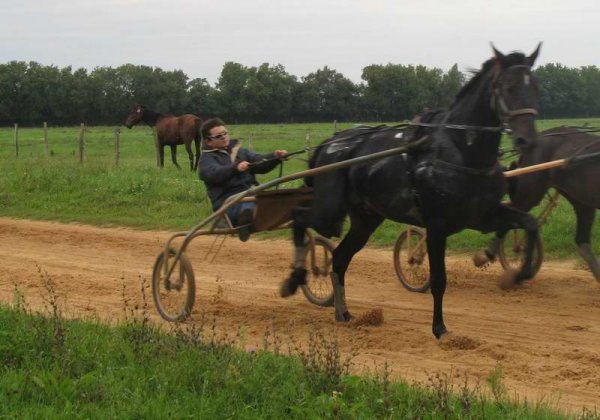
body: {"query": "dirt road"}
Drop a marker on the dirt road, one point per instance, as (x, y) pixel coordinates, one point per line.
(545, 335)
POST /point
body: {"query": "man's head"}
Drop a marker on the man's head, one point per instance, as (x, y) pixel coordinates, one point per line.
(215, 134)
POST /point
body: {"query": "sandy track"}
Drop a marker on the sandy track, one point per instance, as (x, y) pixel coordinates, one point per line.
(545, 335)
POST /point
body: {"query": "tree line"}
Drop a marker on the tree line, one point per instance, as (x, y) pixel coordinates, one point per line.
(31, 93)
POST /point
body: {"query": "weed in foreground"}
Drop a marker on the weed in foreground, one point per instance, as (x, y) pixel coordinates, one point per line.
(494, 380)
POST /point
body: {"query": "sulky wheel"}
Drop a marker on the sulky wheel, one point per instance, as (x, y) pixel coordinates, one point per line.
(410, 260)
(174, 298)
(511, 251)
(318, 288)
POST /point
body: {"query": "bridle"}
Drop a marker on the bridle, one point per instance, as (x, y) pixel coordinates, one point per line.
(497, 102)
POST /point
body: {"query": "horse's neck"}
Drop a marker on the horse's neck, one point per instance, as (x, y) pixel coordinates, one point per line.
(478, 148)
(151, 117)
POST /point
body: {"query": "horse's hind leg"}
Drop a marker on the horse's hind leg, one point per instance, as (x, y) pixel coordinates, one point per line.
(361, 227)
(298, 276)
(174, 155)
(197, 147)
(161, 156)
(188, 149)
(583, 236)
(482, 257)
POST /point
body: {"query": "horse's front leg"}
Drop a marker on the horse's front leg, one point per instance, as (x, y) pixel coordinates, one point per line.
(583, 236)
(298, 276)
(436, 251)
(174, 155)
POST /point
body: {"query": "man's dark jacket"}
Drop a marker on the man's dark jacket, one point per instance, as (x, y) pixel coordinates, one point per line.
(220, 174)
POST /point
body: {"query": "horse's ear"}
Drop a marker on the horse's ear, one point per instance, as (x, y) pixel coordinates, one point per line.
(498, 56)
(534, 55)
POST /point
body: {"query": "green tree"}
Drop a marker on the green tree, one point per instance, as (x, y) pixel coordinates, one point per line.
(590, 79)
(326, 95)
(15, 91)
(231, 101)
(450, 85)
(562, 92)
(268, 93)
(201, 98)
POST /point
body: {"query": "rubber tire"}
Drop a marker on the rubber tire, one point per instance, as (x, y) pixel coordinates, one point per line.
(327, 300)
(185, 267)
(424, 286)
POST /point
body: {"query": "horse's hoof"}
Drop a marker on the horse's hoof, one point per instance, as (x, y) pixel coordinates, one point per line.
(290, 285)
(439, 332)
(508, 280)
(287, 289)
(480, 259)
(345, 317)
(443, 337)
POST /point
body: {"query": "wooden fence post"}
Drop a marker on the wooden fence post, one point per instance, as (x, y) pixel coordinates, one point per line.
(335, 126)
(17, 139)
(81, 142)
(250, 142)
(155, 135)
(117, 145)
(46, 139)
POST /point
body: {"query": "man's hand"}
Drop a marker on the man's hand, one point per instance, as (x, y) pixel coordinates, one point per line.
(281, 153)
(243, 166)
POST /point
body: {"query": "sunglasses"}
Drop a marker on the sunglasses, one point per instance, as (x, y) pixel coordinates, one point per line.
(219, 136)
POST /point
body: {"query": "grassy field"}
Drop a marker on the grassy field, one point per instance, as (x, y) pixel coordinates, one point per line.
(136, 193)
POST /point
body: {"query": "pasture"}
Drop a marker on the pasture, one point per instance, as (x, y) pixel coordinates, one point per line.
(137, 193)
(543, 336)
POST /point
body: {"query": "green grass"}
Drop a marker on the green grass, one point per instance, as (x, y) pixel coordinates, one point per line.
(56, 368)
(136, 193)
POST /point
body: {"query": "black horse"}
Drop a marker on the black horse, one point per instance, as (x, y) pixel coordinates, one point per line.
(171, 131)
(452, 183)
(577, 183)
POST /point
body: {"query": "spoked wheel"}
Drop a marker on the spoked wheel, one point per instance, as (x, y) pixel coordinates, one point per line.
(174, 298)
(318, 288)
(410, 260)
(511, 252)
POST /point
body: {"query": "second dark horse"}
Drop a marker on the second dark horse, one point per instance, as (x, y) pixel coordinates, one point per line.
(577, 183)
(452, 183)
(171, 131)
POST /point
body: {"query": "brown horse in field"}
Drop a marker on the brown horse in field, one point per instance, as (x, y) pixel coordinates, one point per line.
(171, 131)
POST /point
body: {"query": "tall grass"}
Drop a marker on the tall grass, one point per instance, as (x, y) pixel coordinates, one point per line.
(136, 193)
(51, 367)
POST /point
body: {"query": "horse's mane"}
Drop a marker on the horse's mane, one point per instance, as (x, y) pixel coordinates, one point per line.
(512, 59)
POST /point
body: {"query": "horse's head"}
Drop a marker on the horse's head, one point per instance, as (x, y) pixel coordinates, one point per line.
(515, 95)
(135, 116)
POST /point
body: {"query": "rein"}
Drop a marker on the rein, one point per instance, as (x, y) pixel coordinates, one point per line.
(461, 127)
(489, 171)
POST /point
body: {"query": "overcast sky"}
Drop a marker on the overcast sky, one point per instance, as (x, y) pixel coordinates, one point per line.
(199, 36)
